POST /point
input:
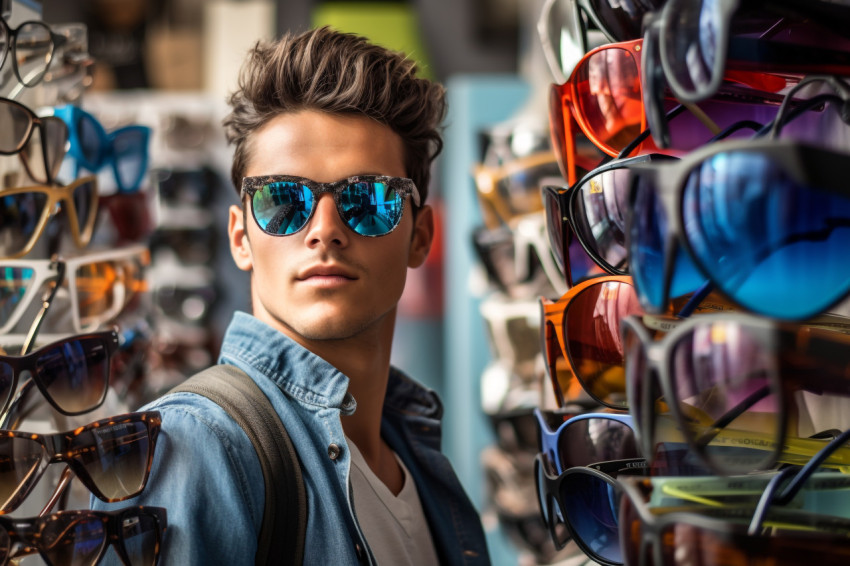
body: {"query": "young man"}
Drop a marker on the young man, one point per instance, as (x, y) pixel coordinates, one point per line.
(334, 138)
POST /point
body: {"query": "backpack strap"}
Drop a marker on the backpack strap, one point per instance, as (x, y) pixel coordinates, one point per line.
(284, 529)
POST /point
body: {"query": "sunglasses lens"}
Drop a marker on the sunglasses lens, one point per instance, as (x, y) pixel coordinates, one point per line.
(566, 387)
(141, 538)
(763, 236)
(554, 226)
(599, 215)
(622, 20)
(608, 96)
(75, 374)
(104, 288)
(130, 215)
(725, 386)
(118, 468)
(282, 208)
(566, 38)
(20, 215)
(76, 540)
(588, 441)
(591, 507)
(630, 531)
(129, 147)
(15, 125)
(14, 284)
(592, 332)
(370, 208)
(92, 139)
(84, 198)
(647, 253)
(99, 292)
(691, 44)
(7, 377)
(21, 459)
(634, 361)
(56, 136)
(33, 50)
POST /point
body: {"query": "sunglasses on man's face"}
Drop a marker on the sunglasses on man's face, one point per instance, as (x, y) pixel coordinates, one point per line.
(369, 205)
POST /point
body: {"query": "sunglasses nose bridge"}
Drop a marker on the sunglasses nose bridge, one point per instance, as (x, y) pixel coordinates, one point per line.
(325, 219)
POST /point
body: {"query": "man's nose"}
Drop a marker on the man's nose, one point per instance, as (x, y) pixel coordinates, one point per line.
(326, 224)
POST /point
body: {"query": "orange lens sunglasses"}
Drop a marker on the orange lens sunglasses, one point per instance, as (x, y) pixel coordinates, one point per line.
(603, 99)
(581, 340)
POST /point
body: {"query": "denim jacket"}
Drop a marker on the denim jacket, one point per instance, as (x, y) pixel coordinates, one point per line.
(207, 475)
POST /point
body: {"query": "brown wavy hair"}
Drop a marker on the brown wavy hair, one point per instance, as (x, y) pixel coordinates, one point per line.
(340, 73)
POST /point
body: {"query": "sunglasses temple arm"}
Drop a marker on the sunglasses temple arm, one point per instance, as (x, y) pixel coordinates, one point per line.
(20, 407)
(769, 497)
(642, 137)
(45, 306)
(695, 300)
(60, 493)
(839, 87)
(781, 121)
(737, 126)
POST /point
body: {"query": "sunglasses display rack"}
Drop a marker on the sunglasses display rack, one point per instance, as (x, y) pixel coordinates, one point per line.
(695, 343)
(696, 332)
(516, 265)
(74, 311)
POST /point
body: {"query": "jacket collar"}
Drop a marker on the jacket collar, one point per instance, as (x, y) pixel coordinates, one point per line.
(258, 348)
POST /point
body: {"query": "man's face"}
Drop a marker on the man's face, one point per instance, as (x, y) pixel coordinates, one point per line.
(327, 282)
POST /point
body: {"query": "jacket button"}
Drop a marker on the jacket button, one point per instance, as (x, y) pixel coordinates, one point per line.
(334, 451)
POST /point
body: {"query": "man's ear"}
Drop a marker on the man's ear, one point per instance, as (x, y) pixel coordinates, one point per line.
(240, 247)
(423, 236)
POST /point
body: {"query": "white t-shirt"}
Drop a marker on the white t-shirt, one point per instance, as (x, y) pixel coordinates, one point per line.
(394, 526)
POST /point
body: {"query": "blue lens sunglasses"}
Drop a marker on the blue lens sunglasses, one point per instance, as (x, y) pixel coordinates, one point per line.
(92, 148)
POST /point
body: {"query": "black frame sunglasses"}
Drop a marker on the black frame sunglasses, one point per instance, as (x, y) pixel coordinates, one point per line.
(800, 363)
(666, 183)
(396, 188)
(13, 36)
(83, 390)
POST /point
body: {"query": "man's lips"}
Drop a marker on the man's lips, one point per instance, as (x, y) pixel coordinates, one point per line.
(326, 274)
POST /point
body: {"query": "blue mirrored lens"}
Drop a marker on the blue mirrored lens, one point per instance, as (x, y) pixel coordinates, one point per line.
(283, 208)
(647, 234)
(370, 209)
(776, 247)
(14, 284)
(592, 505)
